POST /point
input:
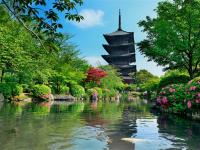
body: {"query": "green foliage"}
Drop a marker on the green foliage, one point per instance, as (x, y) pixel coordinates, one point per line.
(77, 91)
(25, 61)
(112, 93)
(91, 91)
(173, 36)
(112, 80)
(105, 93)
(45, 14)
(131, 87)
(40, 90)
(151, 85)
(6, 90)
(143, 76)
(64, 90)
(173, 77)
(17, 90)
(10, 89)
(99, 91)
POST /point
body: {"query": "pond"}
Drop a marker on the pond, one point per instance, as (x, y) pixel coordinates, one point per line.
(86, 126)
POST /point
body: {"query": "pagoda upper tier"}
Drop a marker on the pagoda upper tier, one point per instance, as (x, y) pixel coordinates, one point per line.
(119, 37)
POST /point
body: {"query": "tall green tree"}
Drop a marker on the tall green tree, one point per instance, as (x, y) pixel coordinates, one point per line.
(173, 37)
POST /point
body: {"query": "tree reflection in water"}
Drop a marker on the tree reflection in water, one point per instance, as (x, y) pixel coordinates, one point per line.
(89, 126)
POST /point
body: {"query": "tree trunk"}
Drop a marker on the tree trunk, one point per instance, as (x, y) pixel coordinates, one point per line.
(2, 74)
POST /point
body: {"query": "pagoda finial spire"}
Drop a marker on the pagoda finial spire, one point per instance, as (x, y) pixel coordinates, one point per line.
(120, 28)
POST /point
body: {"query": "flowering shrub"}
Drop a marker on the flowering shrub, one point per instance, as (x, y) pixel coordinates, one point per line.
(193, 93)
(172, 97)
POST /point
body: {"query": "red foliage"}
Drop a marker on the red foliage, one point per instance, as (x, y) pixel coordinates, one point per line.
(95, 75)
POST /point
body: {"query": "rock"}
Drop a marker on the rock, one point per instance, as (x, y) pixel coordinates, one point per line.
(48, 97)
(1, 97)
(64, 98)
(27, 100)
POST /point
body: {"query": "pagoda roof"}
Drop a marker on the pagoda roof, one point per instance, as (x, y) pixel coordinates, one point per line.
(109, 58)
(119, 32)
(126, 66)
(110, 48)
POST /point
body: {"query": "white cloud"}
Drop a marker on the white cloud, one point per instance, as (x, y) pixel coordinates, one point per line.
(91, 18)
(96, 60)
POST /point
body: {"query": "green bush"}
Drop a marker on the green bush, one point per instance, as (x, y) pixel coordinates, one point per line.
(17, 90)
(99, 91)
(77, 91)
(64, 90)
(40, 90)
(10, 89)
(26, 88)
(112, 93)
(105, 93)
(90, 92)
(6, 90)
(173, 79)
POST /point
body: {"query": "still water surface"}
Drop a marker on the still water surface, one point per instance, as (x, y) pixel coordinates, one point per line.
(85, 126)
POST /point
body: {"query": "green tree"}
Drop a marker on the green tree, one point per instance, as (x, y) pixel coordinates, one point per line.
(143, 76)
(173, 37)
(112, 80)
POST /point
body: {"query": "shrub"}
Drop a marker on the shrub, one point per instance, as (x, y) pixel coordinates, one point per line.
(173, 79)
(91, 91)
(99, 91)
(193, 93)
(40, 90)
(26, 88)
(105, 93)
(172, 97)
(17, 90)
(77, 91)
(112, 93)
(64, 90)
(10, 89)
(6, 90)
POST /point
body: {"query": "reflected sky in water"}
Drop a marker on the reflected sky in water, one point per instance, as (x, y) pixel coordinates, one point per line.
(86, 126)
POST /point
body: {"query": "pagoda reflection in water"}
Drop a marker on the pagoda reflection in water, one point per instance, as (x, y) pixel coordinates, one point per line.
(121, 50)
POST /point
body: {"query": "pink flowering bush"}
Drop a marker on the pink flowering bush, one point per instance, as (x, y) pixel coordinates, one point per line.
(193, 93)
(180, 97)
(172, 97)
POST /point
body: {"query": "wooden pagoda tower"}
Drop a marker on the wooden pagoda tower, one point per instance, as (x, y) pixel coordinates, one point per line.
(121, 50)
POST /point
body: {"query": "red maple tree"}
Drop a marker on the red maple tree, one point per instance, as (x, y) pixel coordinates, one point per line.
(95, 75)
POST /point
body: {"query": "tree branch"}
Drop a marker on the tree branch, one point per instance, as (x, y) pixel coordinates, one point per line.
(20, 21)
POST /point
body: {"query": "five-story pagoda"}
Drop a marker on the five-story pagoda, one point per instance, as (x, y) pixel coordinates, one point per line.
(121, 50)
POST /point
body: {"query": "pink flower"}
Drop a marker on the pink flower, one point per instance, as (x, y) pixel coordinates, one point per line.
(189, 104)
(159, 100)
(193, 88)
(164, 100)
(198, 82)
(171, 90)
(198, 94)
(197, 101)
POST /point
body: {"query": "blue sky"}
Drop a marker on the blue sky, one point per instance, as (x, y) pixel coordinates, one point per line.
(101, 16)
